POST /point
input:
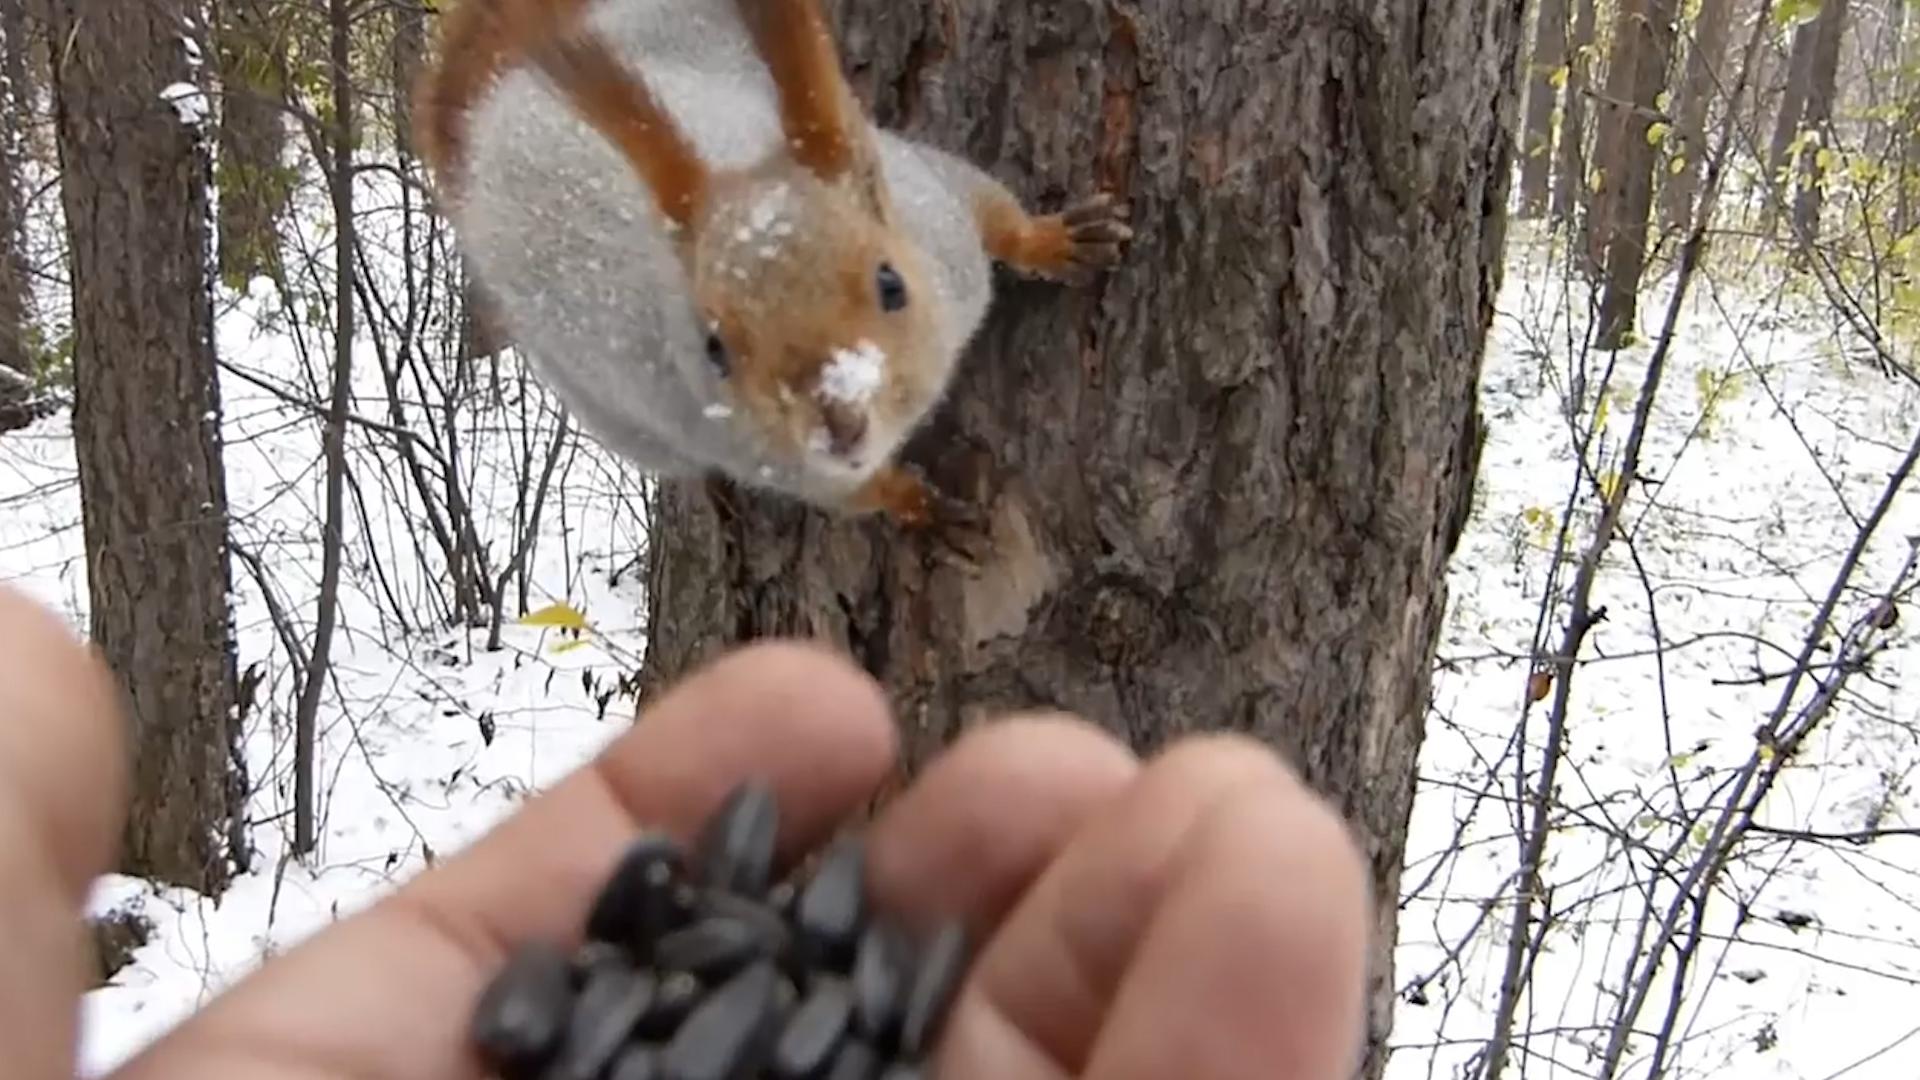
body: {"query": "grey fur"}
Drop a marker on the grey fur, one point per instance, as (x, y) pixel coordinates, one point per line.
(567, 241)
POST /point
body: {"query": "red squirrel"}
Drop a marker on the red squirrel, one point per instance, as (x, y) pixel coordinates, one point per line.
(705, 248)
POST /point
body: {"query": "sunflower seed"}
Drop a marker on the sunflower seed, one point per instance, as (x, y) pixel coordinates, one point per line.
(603, 1018)
(737, 845)
(717, 946)
(637, 1062)
(728, 1033)
(676, 997)
(522, 1012)
(637, 904)
(832, 906)
(936, 976)
(764, 918)
(814, 1031)
(855, 1061)
(879, 980)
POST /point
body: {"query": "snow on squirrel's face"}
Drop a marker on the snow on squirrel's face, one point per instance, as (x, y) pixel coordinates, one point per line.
(820, 319)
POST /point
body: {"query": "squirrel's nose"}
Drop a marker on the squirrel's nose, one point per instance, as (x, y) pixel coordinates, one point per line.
(846, 426)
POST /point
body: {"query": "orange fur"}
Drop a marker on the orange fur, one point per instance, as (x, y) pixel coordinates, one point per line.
(825, 128)
(900, 494)
(478, 40)
(482, 38)
(621, 108)
(1026, 243)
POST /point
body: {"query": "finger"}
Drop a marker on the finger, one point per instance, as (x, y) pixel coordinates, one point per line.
(1255, 964)
(975, 830)
(62, 792)
(1040, 990)
(388, 993)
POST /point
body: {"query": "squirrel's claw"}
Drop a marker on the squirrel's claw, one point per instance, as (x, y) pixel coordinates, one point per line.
(1096, 233)
(957, 529)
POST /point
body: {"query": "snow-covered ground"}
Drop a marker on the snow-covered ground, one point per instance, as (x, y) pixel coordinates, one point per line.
(1744, 537)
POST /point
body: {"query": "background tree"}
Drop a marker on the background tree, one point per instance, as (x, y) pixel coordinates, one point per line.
(254, 185)
(1817, 118)
(146, 413)
(1702, 82)
(1547, 74)
(1224, 483)
(1624, 157)
(1570, 166)
(16, 95)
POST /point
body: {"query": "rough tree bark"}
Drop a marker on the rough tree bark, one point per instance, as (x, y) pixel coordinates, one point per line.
(146, 417)
(1636, 71)
(1701, 83)
(254, 188)
(1823, 71)
(1570, 172)
(1543, 93)
(1223, 484)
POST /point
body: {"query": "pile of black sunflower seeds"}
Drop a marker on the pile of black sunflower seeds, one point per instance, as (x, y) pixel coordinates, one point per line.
(697, 965)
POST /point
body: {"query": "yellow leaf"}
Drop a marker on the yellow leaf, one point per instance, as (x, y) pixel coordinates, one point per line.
(1663, 101)
(1657, 133)
(555, 615)
(1766, 753)
(1600, 412)
(1558, 78)
(1609, 484)
(1678, 163)
(570, 645)
(1596, 179)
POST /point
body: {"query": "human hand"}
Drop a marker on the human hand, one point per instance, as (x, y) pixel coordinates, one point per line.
(1200, 914)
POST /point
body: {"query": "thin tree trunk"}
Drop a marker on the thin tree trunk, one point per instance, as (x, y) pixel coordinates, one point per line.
(16, 98)
(1786, 122)
(1642, 43)
(340, 181)
(1543, 93)
(146, 415)
(1191, 529)
(1823, 70)
(254, 187)
(1570, 193)
(409, 52)
(1909, 171)
(1701, 84)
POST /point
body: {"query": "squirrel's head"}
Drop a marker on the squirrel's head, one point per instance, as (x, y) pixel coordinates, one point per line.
(819, 315)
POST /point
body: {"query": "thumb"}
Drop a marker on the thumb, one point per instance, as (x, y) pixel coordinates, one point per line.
(62, 800)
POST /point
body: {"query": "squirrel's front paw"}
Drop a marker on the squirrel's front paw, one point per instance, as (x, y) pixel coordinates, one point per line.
(902, 494)
(1086, 238)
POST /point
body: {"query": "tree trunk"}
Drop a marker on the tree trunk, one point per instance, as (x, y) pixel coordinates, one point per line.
(1642, 42)
(254, 186)
(1543, 93)
(1702, 82)
(408, 54)
(1909, 119)
(1823, 71)
(16, 101)
(146, 417)
(1570, 192)
(1223, 484)
(1786, 122)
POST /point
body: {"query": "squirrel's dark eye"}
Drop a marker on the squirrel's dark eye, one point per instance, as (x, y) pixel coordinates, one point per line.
(717, 354)
(893, 290)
